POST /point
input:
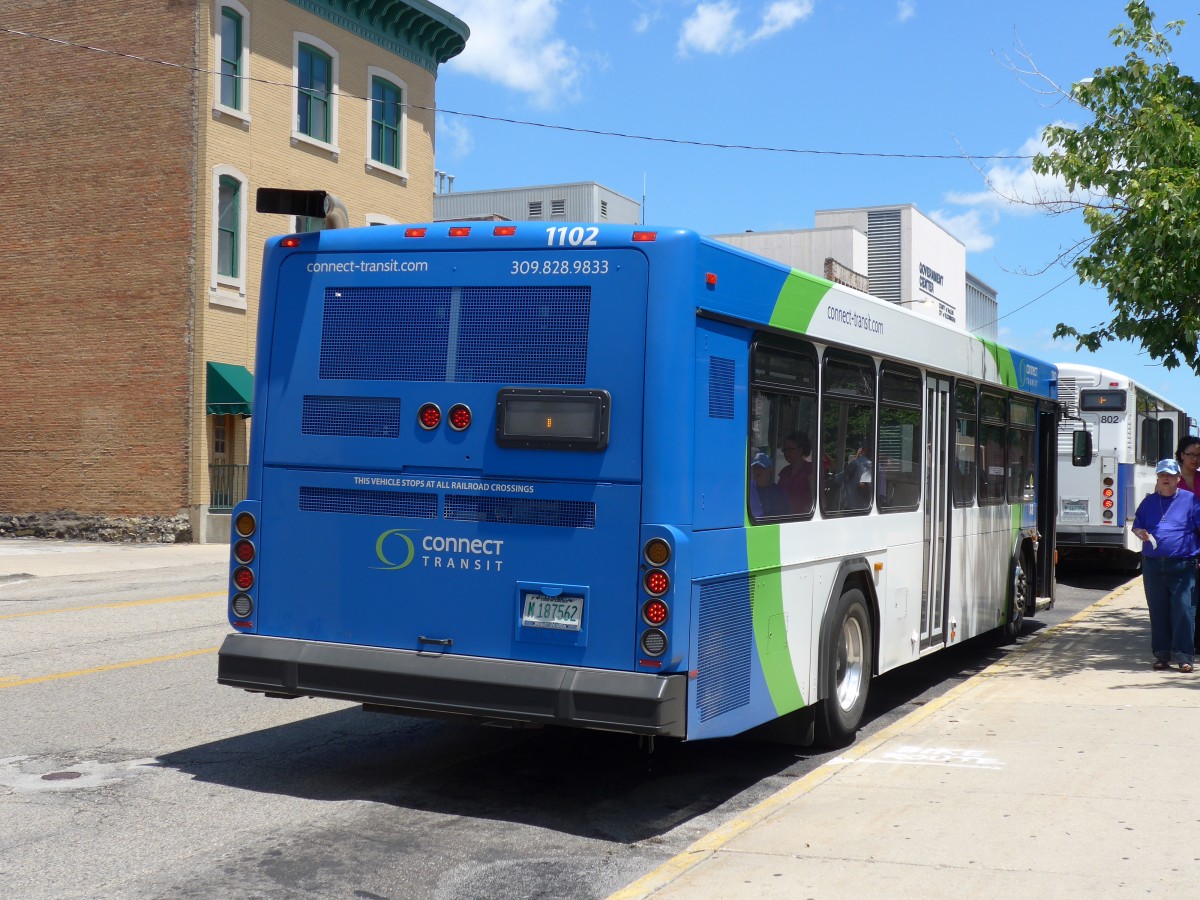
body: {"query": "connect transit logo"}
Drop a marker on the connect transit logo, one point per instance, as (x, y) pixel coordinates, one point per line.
(404, 545)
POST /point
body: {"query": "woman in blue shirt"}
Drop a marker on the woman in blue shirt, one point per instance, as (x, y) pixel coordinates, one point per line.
(1166, 522)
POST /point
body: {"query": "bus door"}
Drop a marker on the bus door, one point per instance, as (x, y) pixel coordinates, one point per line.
(939, 433)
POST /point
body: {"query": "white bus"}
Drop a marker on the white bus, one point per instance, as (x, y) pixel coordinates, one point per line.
(1112, 433)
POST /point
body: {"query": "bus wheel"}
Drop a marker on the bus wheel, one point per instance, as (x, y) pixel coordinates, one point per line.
(847, 662)
(1022, 597)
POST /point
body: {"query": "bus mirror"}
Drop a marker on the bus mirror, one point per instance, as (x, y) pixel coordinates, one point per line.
(1081, 448)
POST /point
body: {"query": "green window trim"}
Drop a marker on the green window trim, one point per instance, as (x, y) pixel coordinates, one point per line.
(229, 227)
(231, 58)
(314, 69)
(387, 116)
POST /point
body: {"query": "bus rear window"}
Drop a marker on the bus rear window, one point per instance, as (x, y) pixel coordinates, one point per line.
(549, 419)
(1102, 401)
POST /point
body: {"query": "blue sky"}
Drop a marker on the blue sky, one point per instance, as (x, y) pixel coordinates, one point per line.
(891, 77)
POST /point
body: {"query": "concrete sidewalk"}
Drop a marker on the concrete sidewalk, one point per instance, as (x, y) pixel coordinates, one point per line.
(1067, 769)
(25, 557)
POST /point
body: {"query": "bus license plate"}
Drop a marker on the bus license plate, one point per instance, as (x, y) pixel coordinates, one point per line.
(540, 611)
(1074, 510)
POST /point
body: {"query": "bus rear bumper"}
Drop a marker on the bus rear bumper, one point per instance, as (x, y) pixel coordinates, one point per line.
(440, 684)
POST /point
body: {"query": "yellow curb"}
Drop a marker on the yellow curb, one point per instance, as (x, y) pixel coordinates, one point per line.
(707, 846)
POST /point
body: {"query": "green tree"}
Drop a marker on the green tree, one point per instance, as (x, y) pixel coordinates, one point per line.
(1137, 166)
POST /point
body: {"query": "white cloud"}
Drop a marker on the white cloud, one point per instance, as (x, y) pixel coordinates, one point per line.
(970, 227)
(905, 10)
(516, 44)
(712, 26)
(1013, 186)
(455, 140)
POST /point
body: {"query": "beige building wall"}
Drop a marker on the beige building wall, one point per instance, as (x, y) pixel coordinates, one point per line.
(260, 147)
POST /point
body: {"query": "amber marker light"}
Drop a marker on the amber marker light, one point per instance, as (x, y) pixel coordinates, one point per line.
(657, 551)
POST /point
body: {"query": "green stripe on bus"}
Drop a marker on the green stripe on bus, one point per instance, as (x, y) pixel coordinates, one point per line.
(1004, 363)
(770, 635)
(797, 301)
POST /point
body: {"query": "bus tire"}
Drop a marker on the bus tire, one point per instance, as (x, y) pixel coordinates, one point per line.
(848, 662)
(1022, 596)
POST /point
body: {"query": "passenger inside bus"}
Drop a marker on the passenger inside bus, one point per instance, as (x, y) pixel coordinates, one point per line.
(796, 478)
(856, 479)
(766, 498)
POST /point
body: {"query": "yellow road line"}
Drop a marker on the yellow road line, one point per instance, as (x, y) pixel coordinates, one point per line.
(122, 605)
(58, 676)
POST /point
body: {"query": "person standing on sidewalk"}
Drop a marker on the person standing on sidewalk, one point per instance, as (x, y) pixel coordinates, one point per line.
(1187, 454)
(1167, 522)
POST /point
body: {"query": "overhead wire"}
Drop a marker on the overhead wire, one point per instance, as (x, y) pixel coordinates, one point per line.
(573, 129)
(714, 145)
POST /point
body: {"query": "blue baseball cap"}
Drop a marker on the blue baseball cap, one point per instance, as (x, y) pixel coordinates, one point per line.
(1166, 467)
(761, 459)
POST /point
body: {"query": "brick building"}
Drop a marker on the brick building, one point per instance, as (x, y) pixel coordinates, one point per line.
(130, 260)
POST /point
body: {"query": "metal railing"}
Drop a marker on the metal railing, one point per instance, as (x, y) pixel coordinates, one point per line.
(226, 487)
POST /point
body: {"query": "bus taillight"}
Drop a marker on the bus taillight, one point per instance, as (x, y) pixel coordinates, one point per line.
(242, 606)
(655, 612)
(656, 582)
(243, 578)
(244, 524)
(459, 416)
(657, 551)
(654, 642)
(243, 552)
(430, 416)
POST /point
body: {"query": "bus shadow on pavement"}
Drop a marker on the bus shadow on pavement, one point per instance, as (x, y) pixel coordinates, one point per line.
(594, 785)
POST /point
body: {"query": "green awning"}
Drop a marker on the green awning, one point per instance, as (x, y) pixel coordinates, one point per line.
(230, 390)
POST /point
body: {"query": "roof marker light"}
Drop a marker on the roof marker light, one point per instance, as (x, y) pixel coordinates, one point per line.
(504, 230)
(645, 236)
(290, 242)
(710, 278)
(414, 232)
(460, 231)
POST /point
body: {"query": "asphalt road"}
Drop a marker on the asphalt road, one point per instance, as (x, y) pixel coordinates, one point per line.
(126, 771)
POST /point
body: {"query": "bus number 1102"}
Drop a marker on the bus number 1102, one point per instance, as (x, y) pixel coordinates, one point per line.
(572, 237)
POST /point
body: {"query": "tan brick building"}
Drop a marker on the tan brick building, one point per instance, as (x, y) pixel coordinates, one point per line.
(130, 258)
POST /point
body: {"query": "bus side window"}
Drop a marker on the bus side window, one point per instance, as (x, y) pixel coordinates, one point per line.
(965, 444)
(992, 456)
(847, 434)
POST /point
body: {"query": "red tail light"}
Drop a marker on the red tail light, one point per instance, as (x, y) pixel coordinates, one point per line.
(655, 612)
(243, 578)
(656, 582)
(459, 416)
(430, 416)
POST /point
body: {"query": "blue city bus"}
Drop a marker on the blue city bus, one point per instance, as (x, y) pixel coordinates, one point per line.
(534, 474)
